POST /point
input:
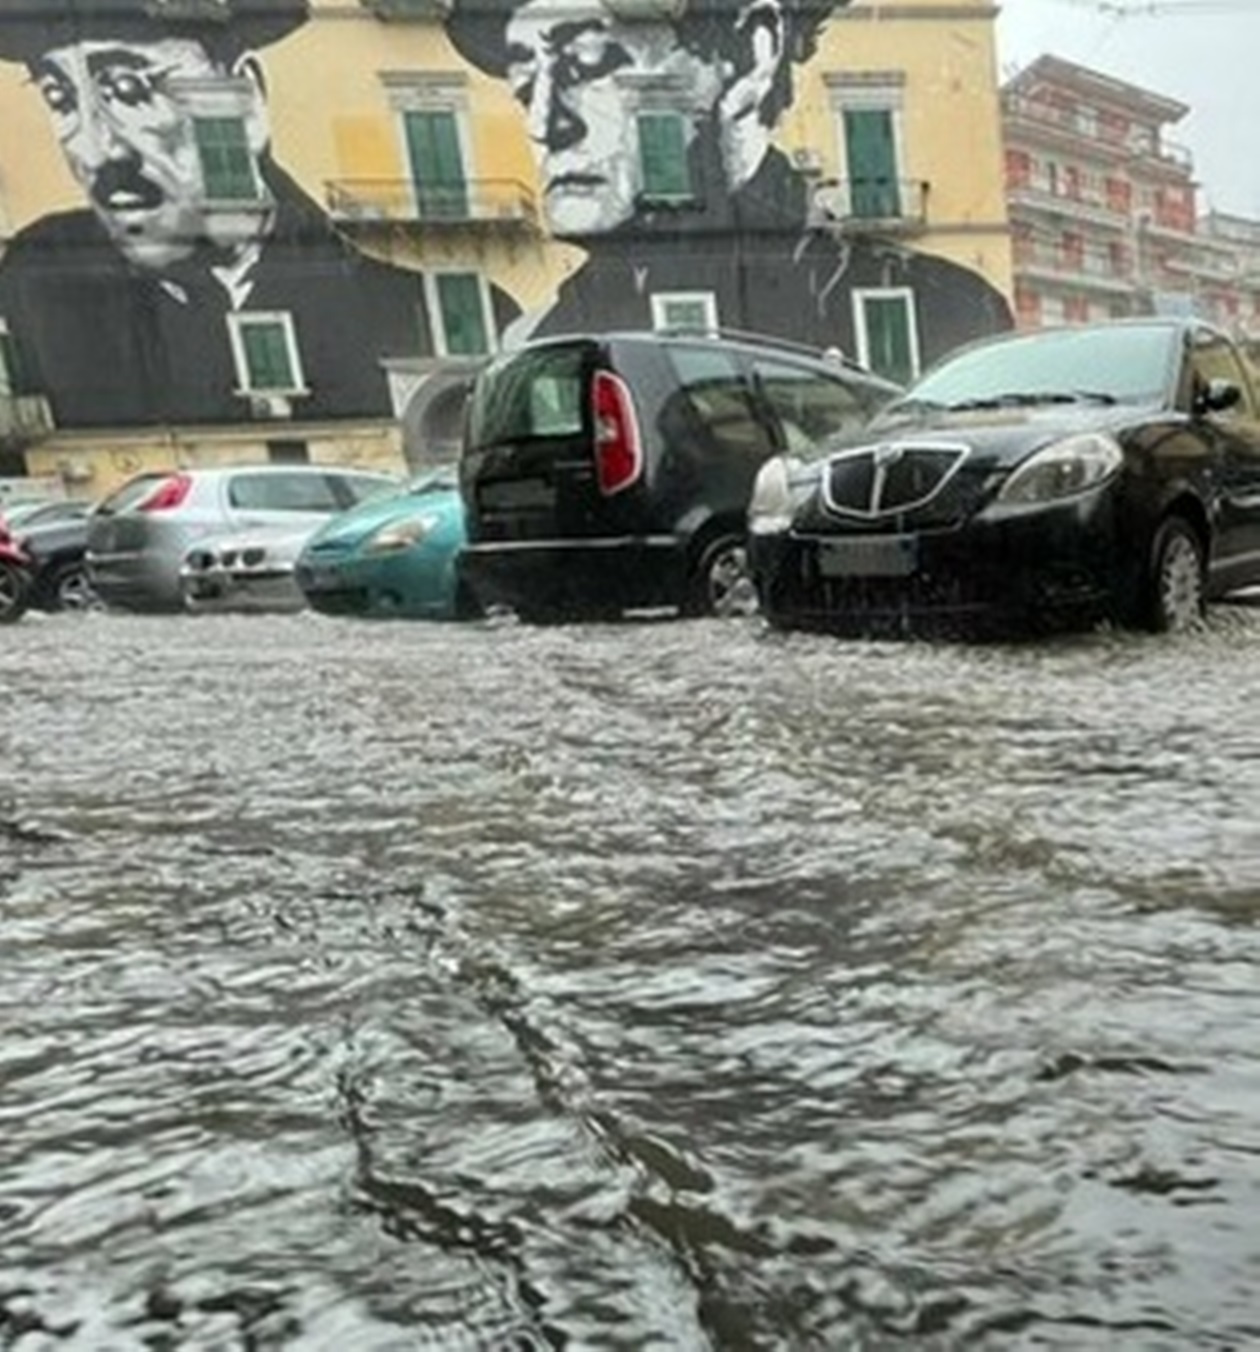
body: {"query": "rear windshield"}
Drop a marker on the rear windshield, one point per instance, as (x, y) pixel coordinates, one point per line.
(133, 491)
(528, 395)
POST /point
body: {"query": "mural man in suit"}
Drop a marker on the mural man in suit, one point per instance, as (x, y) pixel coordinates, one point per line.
(586, 71)
(197, 255)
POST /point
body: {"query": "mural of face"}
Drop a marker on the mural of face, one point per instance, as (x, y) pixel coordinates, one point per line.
(130, 142)
(569, 71)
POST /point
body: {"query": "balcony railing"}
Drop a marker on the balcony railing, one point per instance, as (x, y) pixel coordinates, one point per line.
(398, 201)
(1097, 131)
(1082, 203)
(1071, 265)
(24, 416)
(870, 205)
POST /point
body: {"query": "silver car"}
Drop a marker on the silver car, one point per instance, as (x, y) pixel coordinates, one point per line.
(139, 536)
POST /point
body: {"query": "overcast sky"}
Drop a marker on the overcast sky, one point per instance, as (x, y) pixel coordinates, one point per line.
(1206, 53)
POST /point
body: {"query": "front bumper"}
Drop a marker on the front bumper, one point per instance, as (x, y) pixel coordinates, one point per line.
(1043, 567)
(400, 585)
(214, 588)
(577, 578)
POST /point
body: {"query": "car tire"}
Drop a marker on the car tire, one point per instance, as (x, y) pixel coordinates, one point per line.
(15, 592)
(69, 589)
(1175, 590)
(721, 584)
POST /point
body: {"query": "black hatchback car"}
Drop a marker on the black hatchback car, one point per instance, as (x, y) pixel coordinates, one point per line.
(608, 473)
(1107, 471)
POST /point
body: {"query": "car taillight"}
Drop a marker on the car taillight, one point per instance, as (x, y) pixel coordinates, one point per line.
(618, 452)
(169, 493)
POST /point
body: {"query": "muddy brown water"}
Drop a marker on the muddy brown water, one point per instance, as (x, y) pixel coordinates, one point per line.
(672, 985)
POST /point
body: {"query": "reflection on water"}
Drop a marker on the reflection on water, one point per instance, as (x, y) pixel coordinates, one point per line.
(675, 985)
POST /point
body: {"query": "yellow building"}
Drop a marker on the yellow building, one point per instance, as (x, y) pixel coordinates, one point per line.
(262, 229)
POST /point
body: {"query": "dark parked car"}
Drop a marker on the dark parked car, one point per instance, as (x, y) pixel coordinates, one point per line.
(56, 541)
(1106, 471)
(608, 473)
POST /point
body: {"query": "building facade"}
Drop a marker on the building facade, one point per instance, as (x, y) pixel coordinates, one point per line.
(273, 229)
(1103, 207)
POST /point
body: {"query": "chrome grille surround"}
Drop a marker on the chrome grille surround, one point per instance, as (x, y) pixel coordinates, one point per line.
(889, 478)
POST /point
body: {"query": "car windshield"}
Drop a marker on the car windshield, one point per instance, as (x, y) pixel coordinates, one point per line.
(1119, 364)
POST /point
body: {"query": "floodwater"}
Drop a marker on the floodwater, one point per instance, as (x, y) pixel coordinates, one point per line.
(675, 985)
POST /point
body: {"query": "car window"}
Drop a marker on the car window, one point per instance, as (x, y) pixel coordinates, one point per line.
(280, 492)
(126, 496)
(717, 403)
(352, 489)
(534, 394)
(810, 406)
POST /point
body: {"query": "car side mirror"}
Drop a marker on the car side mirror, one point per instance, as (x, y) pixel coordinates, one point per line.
(1218, 396)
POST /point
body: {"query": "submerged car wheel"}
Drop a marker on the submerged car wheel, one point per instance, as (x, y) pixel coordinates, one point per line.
(15, 592)
(721, 583)
(1175, 589)
(71, 590)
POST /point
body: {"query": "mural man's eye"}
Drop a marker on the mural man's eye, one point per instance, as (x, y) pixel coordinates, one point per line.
(59, 97)
(128, 87)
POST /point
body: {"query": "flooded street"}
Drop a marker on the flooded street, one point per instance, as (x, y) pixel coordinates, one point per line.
(673, 985)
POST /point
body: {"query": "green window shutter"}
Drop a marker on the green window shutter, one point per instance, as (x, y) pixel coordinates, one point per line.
(871, 150)
(663, 155)
(437, 166)
(463, 319)
(226, 163)
(267, 362)
(889, 351)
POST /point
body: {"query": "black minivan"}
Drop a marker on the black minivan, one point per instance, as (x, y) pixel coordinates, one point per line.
(612, 472)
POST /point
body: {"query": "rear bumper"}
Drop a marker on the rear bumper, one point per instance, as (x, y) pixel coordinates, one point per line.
(577, 578)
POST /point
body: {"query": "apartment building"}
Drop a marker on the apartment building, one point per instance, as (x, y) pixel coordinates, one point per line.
(292, 229)
(1103, 204)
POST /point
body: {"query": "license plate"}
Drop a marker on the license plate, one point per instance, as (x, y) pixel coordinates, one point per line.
(319, 579)
(510, 494)
(874, 556)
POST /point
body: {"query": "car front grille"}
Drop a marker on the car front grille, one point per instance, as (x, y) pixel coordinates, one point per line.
(889, 479)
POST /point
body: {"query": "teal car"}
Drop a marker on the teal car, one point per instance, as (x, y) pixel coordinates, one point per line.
(392, 556)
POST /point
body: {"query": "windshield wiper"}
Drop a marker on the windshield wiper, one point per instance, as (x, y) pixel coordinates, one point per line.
(1032, 398)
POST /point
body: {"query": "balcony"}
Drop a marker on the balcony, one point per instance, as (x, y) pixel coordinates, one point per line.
(1044, 262)
(855, 206)
(1092, 132)
(1080, 206)
(486, 203)
(24, 417)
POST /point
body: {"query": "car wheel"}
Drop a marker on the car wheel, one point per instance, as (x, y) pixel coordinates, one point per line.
(721, 584)
(1175, 586)
(15, 592)
(70, 589)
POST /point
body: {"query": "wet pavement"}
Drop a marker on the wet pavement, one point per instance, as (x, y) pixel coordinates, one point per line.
(673, 985)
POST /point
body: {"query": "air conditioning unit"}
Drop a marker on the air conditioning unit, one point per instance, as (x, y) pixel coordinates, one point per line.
(270, 406)
(806, 160)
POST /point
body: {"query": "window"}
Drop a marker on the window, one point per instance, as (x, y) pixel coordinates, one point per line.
(435, 153)
(888, 340)
(714, 410)
(459, 308)
(809, 406)
(283, 492)
(870, 147)
(226, 163)
(663, 156)
(692, 310)
(289, 452)
(264, 347)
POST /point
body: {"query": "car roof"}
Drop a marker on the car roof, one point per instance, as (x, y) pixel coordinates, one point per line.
(830, 359)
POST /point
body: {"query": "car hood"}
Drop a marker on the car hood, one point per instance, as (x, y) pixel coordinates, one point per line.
(435, 492)
(996, 438)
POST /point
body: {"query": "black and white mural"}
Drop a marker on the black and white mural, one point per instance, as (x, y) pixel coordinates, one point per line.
(199, 274)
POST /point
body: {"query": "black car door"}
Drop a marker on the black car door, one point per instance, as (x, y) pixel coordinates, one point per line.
(1235, 436)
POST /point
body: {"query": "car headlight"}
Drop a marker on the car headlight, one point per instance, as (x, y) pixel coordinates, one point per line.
(770, 507)
(1063, 469)
(401, 534)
